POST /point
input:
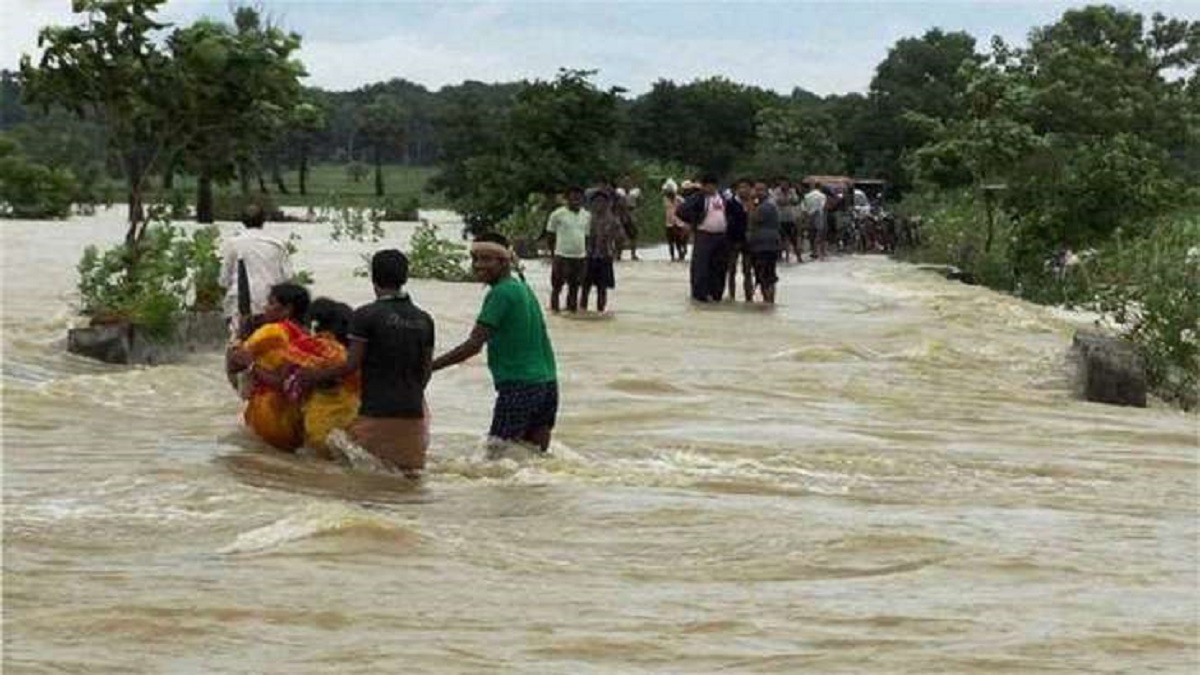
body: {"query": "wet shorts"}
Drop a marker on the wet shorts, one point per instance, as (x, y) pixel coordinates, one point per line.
(522, 407)
(569, 271)
(764, 267)
(600, 273)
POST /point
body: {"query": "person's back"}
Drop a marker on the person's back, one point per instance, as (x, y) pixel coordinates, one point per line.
(266, 259)
(399, 345)
(764, 232)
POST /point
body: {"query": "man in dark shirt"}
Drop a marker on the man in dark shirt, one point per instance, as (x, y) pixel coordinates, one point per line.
(735, 233)
(391, 339)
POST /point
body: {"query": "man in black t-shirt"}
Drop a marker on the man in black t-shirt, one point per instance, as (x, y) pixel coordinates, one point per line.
(391, 339)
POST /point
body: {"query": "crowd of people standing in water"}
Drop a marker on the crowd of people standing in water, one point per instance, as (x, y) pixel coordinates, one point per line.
(310, 368)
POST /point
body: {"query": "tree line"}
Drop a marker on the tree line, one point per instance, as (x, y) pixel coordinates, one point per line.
(224, 102)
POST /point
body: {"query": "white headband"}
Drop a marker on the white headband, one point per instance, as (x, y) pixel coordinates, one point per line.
(493, 249)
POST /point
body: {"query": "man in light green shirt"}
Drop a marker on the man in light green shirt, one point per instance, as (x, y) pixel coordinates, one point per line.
(568, 228)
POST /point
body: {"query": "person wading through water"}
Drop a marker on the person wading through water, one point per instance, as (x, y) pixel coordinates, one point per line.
(391, 340)
(568, 230)
(519, 354)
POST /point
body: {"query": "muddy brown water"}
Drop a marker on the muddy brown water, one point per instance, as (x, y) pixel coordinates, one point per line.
(885, 473)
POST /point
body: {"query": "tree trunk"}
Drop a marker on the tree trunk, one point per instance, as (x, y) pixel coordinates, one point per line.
(204, 198)
(262, 184)
(137, 213)
(244, 178)
(304, 171)
(277, 176)
(378, 172)
(168, 179)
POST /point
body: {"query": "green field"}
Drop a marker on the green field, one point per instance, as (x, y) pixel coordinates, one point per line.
(326, 180)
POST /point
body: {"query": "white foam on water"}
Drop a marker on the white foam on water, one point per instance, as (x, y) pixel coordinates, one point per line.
(316, 519)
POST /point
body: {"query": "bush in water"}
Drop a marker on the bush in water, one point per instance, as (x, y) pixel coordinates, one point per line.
(30, 190)
(431, 257)
(175, 272)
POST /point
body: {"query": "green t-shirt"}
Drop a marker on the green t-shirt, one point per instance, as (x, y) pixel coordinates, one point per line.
(570, 230)
(519, 349)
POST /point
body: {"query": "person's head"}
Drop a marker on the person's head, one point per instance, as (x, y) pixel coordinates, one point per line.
(708, 183)
(253, 216)
(326, 315)
(744, 189)
(574, 197)
(491, 259)
(761, 191)
(602, 201)
(389, 270)
(286, 301)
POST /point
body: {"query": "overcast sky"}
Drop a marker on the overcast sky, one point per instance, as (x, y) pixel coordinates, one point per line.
(825, 47)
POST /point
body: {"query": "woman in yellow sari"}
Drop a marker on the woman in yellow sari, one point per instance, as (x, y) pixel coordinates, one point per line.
(333, 406)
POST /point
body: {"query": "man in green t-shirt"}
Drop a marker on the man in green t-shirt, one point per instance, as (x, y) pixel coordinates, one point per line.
(519, 353)
(568, 229)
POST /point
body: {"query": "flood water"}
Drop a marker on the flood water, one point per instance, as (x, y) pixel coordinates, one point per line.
(886, 473)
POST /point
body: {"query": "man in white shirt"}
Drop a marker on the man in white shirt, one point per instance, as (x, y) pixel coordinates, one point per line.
(814, 208)
(568, 228)
(267, 263)
(710, 252)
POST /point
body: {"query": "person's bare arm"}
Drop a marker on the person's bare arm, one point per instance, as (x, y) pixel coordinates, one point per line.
(470, 347)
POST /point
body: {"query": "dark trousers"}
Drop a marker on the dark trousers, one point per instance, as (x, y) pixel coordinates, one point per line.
(710, 259)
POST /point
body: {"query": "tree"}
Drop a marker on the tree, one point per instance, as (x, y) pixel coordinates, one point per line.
(382, 123)
(916, 87)
(470, 122)
(556, 134)
(308, 122)
(796, 139)
(11, 110)
(239, 86)
(111, 68)
(708, 123)
(1074, 125)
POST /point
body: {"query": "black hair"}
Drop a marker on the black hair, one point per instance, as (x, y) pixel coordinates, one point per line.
(389, 268)
(293, 296)
(330, 316)
(745, 180)
(492, 238)
(574, 189)
(253, 216)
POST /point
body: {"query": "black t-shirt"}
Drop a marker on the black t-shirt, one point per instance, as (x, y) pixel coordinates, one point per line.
(399, 337)
(735, 221)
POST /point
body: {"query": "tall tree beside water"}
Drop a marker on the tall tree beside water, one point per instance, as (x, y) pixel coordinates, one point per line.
(239, 89)
(111, 68)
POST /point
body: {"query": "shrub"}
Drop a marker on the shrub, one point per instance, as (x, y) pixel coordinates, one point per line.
(394, 208)
(30, 190)
(167, 273)
(229, 206)
(1150, 286)
(431, 257)
(526, 224)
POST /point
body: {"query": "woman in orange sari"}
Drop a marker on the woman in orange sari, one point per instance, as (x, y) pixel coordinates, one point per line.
(269, 412)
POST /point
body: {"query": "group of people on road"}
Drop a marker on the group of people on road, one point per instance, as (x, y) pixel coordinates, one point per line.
(309, 368)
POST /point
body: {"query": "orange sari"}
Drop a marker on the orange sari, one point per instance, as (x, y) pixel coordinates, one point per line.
(275, 416)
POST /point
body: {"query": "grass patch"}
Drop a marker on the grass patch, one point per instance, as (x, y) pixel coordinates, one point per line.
(325, 180)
